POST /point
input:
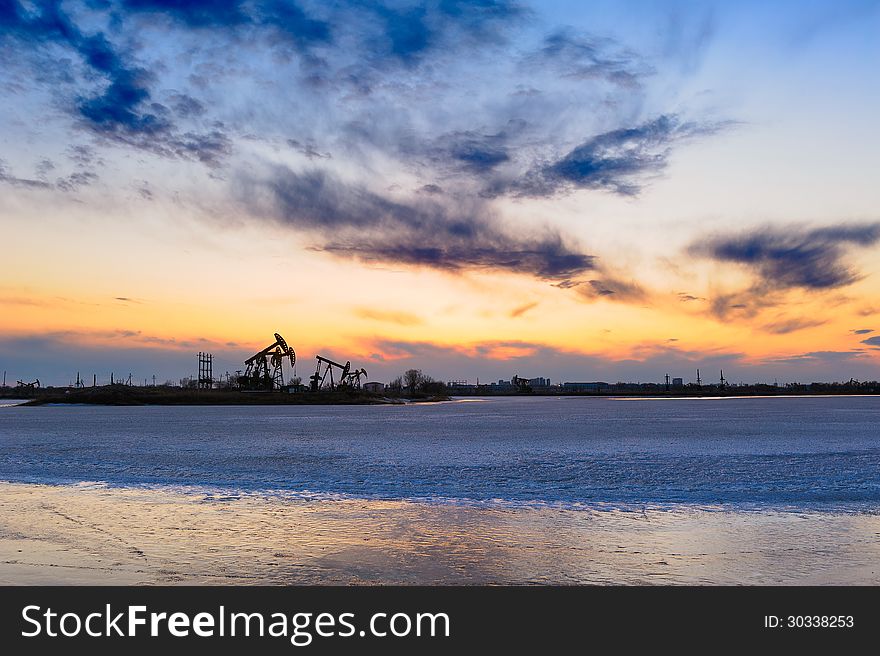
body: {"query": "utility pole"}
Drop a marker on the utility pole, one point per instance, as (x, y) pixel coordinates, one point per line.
(699, 382)
(667, 382)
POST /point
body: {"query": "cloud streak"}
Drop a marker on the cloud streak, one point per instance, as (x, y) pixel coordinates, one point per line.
(585, 57)
(354, 222)
(789, 259)
(617, 161)
(73, 182)
(781, 260)
(123, 109)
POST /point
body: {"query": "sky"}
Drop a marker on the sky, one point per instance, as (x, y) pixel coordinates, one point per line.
(575, 190)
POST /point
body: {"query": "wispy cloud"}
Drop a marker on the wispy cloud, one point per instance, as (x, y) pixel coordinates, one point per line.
(123, 109)
(352, 221)
(71, 182)
(613, 289)
(783, 259)
(785, 326)
(522, 309)
(793, 258)
(8, 178)
(617, 161)
(586, 57)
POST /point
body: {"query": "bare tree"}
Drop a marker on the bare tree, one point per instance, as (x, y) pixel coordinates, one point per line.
(413, 379)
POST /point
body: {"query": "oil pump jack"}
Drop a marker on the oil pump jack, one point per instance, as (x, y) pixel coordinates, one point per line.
(264, 370)
(353, 378)
(346, 377)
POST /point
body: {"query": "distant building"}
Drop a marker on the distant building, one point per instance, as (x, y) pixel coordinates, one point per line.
(539, 382)
(374, 388)
(586, 387)
(678, 382)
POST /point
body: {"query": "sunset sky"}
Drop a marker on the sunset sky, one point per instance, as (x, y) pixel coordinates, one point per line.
(576, 190)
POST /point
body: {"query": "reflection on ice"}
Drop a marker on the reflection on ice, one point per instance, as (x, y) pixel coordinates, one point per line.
(92, 534)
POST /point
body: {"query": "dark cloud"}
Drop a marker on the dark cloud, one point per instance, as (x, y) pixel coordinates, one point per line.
(409, 32)
(286, 17)
(389, 31)
(44, 168)
(7, 177)
(186, 106)
(615, 161)
(479, 154)
(123, 110)
(308, 149)
(585, 57)
(612, 289)
(863, 331)
(117, 107)
(872, 341)
(793, 258)
(83, 156)
(355, 222)
(70, 182)
(568, 284)
(469, 151)
(208, 147)
(785, 326)
(124, 107)
(76, 180)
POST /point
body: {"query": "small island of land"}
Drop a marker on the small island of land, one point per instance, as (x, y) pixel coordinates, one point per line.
(128, 395)
(161, 395)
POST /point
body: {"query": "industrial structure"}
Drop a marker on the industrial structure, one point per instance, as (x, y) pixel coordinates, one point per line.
(206, 371)
(265, 370)
(345, 378)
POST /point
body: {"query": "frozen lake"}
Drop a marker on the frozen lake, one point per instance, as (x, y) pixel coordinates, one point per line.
(801, 453)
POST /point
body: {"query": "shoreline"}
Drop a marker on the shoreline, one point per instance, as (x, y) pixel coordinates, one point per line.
(136, 396)
(121, 395)
(92, 534)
